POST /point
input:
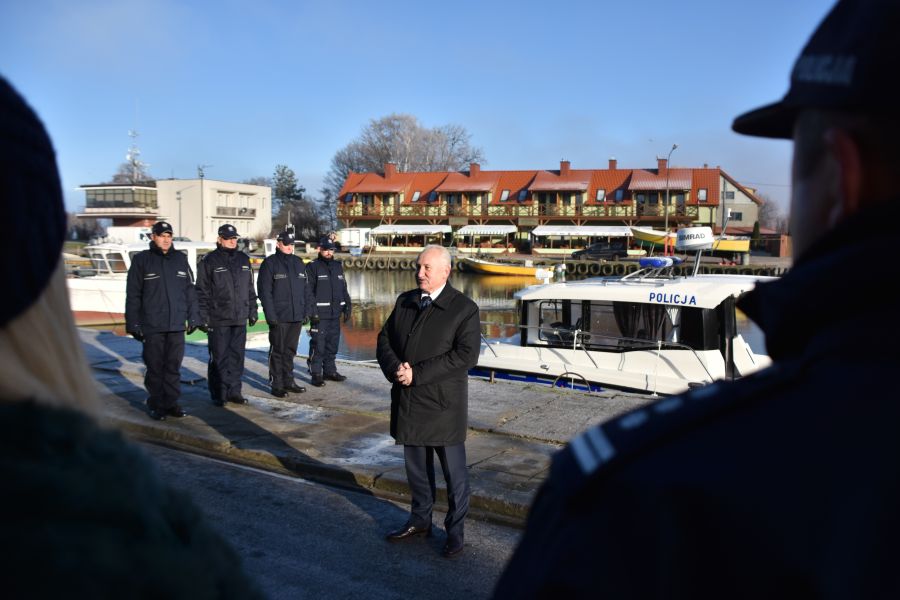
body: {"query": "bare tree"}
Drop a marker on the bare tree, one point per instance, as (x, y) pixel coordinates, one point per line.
(770, 215)
(401, 139)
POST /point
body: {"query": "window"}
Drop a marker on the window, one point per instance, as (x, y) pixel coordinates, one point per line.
(523, 194)
(701, 195)
(601, 195)
(415, 197)
(737, 216)
(504, 195)
(620, 195)
(432, 196)
(727, 195)
(348, 198)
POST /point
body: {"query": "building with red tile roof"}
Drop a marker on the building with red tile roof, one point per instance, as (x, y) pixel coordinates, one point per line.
(610, 196)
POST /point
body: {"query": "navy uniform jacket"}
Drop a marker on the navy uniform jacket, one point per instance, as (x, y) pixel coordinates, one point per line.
(329, 288)
(225, 290)
(783, 484)
(283, 288)
(441, 344)
(159, 294)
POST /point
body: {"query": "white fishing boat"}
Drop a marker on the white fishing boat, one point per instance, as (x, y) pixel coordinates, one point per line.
(650, 331)
(97, 292)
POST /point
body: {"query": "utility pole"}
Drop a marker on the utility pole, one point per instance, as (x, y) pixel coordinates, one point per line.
(201, 172)
(666, 208)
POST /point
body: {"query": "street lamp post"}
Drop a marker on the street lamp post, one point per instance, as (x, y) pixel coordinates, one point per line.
(180, 228)
(666, 208)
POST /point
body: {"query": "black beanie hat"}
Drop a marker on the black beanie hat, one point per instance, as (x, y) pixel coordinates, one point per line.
(32, 205)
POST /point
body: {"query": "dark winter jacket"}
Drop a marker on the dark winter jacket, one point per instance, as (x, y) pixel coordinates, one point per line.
(329, 288)
(85, 515)
(160, 293)
(441, 344)
(783, 484)
(283, 288)
(225, 291)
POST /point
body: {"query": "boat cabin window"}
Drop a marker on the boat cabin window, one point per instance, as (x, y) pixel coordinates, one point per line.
(116, 262)
(620, 326)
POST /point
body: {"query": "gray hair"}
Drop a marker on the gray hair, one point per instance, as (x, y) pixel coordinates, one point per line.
(445, 254)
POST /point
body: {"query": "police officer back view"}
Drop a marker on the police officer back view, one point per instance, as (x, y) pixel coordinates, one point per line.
(160, 304)
(285, 296)
(227, 300)
(331, 299)
(784, 484)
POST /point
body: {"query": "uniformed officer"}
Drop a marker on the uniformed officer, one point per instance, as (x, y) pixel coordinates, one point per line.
(160, 304)
(331, 300)
(786, 483)
(286, 301)
(227, 300)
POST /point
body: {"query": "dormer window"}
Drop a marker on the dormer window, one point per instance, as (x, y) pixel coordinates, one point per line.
(701, 195)
(601, 195)
(523, 195)
(504, 195)
(415, 197)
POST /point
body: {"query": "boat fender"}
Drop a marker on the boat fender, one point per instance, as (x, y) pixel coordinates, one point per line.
(392, 264)
(606, 269)
(380, 263)
(595, 269)
(619, 269)
(359, 263)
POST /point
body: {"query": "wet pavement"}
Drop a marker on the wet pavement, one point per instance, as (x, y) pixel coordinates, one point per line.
(338, 434)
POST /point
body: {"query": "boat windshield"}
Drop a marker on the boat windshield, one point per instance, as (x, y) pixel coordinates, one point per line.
(620, 326)
(107, 262)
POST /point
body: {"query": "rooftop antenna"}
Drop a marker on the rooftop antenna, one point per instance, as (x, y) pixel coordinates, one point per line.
(133, 157)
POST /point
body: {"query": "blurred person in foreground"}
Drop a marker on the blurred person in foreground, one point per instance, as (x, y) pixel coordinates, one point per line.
(84, 512)
(784, 484)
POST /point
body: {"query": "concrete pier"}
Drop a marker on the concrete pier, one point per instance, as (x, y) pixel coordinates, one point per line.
(338, 434)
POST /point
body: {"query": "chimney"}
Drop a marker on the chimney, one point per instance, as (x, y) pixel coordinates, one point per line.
(662, 166)
(564, 166)
(474, 170)
(612, 163)
(390, 169)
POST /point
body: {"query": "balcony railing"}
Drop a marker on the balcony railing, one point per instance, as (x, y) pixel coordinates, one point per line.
(610, 210)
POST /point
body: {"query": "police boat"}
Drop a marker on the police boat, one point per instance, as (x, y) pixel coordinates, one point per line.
(655, 331)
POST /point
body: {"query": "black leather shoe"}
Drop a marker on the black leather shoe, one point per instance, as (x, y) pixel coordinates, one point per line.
(177, 412)
(238, 400)
(335, 376)
(297, 389)
(317, 381)
(408, 531)
(279, 393)
(452, 548)
(157, 415)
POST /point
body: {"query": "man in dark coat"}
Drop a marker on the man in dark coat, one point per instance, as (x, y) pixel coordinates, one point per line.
(160, 304)
(285, 296)
(426, 349)
(227, 299)
(331, 300)
(784, 484)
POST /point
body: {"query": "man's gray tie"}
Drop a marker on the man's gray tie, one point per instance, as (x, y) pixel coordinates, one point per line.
(425, 302)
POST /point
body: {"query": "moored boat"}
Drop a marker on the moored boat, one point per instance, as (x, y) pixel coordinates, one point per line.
(656, 239)
(650, 331)
(489, 267)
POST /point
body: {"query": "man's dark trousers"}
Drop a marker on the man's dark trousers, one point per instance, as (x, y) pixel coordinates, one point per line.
(420, 475)
(324, 346)
(226, 361)
(283, 339)
(162, 355)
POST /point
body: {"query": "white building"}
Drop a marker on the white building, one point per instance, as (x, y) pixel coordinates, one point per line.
(196, 208)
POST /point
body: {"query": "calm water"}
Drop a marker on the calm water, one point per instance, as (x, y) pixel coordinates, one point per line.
(374, 294)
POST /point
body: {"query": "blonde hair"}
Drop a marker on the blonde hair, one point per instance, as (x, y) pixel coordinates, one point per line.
(41, 357)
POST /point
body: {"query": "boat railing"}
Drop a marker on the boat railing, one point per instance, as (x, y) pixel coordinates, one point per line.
(579, 338)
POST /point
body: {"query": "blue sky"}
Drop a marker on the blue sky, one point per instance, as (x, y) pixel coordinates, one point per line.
(245, 85)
